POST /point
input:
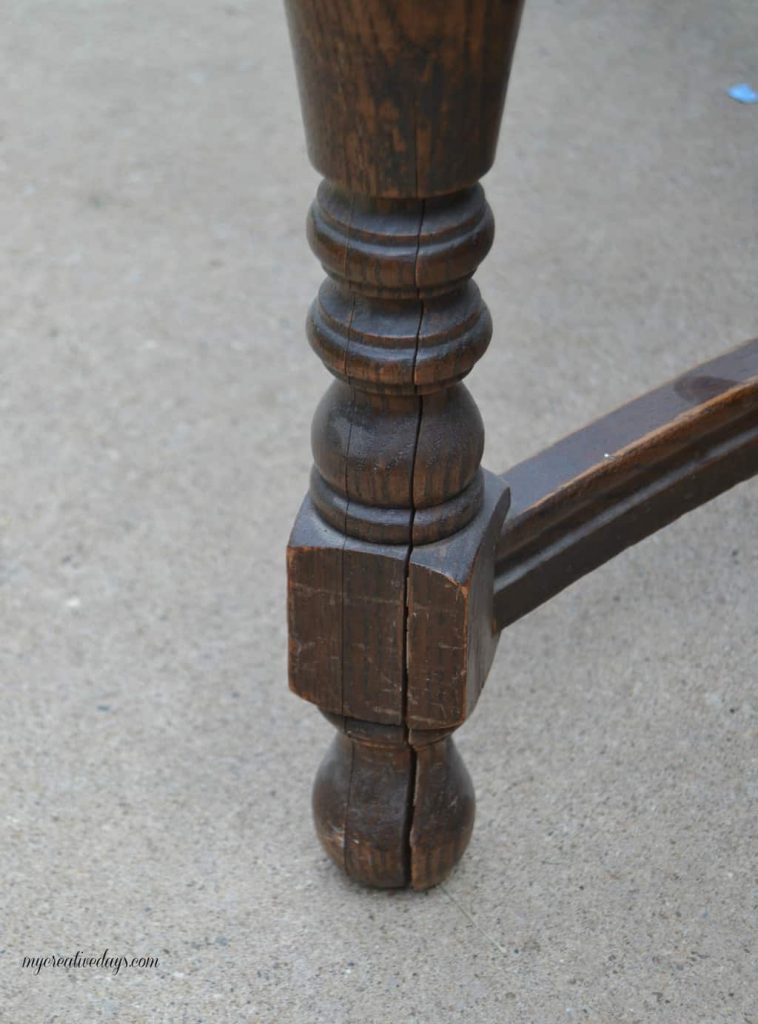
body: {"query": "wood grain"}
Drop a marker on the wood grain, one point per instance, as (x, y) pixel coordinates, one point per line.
(405, 561)
(606, 487)
(402, 98)
(390, 625)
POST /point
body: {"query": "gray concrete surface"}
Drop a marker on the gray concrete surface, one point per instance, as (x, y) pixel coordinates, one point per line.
(156, 397)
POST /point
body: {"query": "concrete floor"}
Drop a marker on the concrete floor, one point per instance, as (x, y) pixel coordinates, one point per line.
(156, 393)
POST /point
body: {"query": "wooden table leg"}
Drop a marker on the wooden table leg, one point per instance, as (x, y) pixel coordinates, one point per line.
(391, 559)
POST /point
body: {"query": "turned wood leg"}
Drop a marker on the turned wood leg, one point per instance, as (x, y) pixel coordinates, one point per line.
(407, 558)
(391, 560)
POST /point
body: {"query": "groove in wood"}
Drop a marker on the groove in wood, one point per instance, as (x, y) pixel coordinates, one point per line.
(610, 485)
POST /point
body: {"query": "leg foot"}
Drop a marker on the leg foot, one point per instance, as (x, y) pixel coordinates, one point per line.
(389, 812)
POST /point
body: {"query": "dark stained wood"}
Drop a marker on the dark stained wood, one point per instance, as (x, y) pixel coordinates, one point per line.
(402, 103)
(346, 604)
(451, 643)
(397, 440)
(623, 477)
(392, 807)
(403, 98)
(443, 813)
(405, 560)
(362, 798)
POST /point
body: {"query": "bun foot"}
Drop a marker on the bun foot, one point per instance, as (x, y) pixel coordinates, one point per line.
(389, 812)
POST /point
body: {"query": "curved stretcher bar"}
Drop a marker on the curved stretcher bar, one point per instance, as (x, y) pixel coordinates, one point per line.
(596, 492)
